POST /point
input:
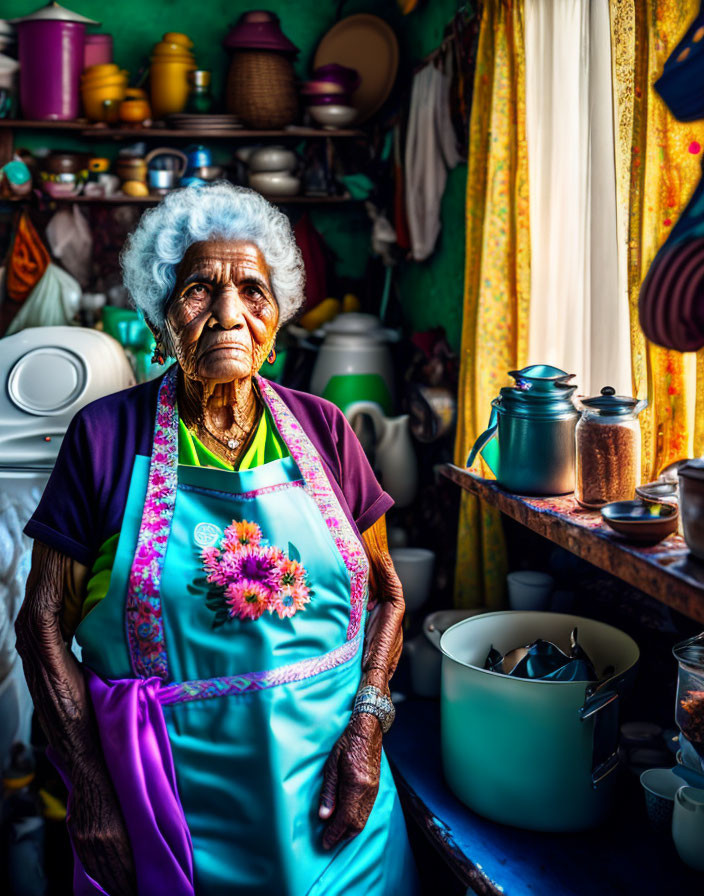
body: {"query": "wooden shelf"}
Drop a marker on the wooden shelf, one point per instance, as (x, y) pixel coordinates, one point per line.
(121, 199)
(666, 571)
(84, 128)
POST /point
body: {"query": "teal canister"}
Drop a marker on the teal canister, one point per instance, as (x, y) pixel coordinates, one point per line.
(529, 444)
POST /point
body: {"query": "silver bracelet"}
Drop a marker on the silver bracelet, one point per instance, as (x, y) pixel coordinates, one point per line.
(375, 702)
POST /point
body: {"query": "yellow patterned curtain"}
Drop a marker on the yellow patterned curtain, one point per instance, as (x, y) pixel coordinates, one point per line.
(497, 278)
(658, 163)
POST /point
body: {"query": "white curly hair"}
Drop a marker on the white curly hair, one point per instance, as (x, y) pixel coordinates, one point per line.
(194, 214)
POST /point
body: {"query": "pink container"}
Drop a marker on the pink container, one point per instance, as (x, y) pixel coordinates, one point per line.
(97, 49)
(51, 60)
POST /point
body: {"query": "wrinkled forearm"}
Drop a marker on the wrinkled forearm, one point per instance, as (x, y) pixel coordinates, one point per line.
(53, 676)
(384, 633)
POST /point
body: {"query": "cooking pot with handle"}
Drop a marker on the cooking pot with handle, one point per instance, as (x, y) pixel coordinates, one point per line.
(534, 753)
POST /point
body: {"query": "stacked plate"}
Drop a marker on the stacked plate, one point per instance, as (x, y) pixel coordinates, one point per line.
(184, 122)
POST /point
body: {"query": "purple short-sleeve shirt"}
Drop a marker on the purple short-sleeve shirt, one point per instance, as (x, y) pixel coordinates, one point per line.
(84, 501)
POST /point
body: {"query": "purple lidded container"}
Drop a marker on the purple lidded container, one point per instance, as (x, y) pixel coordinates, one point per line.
(347, 78)
(51, 50)
(259, 30)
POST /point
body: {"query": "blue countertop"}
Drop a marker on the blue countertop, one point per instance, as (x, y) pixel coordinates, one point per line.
(621, 858)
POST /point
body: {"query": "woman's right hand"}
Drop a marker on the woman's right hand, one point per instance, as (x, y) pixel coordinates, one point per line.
(99, 835)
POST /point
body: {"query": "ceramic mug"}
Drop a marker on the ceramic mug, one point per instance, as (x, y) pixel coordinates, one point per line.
(659, 788)
(414, 567)
(688, 826)
(529, 590)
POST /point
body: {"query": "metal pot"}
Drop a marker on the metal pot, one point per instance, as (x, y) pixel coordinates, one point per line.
(533, 753)
(529, 444)
(691, 477)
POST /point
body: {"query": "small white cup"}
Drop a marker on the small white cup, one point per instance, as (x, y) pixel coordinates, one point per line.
(529, 590)
(414, 567)
(688, 826)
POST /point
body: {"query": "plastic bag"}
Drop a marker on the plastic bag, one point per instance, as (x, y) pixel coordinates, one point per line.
(71, 242)
(53, 302)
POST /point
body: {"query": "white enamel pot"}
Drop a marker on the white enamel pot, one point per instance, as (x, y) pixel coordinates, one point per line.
(533, 753)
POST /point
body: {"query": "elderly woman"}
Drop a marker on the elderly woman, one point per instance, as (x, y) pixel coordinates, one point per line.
(212, 540)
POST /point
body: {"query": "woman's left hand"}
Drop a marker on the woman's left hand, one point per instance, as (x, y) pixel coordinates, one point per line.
(351, 779)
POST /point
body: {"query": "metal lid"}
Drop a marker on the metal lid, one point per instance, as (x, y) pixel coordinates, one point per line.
(541, 378)
(609, 404)
(691, 651)
(54, 12)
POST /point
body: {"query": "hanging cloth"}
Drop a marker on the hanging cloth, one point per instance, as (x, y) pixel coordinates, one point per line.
(497, 280)
(430, 152)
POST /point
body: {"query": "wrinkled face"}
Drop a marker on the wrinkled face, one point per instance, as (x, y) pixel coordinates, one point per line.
(222, 319)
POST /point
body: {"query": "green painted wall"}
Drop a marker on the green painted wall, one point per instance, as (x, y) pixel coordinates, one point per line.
(432, 291)
(136, 25)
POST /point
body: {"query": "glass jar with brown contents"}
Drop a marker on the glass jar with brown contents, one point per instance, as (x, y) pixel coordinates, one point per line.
(608, 449)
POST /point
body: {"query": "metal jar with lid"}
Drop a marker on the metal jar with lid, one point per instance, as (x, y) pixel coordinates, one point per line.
(529, 444)
(608, 449)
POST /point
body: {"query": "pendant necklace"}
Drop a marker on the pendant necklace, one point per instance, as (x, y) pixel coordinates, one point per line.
(232, 443)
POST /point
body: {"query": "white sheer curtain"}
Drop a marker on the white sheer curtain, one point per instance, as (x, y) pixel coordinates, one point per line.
(579, 307)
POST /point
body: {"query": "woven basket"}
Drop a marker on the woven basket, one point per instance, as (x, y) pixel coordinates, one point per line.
(261, 89)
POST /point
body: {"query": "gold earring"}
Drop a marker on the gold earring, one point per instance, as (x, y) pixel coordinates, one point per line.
(159, 354)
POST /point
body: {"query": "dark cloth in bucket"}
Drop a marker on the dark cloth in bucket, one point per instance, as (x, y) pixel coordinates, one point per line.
(543, 660)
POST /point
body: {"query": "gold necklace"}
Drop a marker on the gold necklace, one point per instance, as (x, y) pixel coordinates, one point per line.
(233, 444)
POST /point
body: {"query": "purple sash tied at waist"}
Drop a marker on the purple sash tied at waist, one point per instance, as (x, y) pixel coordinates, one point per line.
(137, 752)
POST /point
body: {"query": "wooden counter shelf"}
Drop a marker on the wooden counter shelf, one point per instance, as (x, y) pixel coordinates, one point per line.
(667, 571)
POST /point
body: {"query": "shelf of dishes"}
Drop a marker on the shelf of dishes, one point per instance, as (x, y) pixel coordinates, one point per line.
(276, 171)
(123, 199)
(78, 76)
(84, 128)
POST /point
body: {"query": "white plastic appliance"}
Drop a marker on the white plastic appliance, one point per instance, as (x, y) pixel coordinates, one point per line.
(48, 374)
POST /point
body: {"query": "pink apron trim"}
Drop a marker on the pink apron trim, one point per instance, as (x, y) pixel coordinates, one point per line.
(318, 487)
(226, 686)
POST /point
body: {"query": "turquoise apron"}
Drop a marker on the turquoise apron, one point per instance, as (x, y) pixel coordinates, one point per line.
(257, 658)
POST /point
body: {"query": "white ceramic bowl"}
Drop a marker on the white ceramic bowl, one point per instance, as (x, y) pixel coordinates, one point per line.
(275, 183)
(333, 116)
(272, 158)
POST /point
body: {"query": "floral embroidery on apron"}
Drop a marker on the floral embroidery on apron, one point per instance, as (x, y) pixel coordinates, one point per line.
(251, 576)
